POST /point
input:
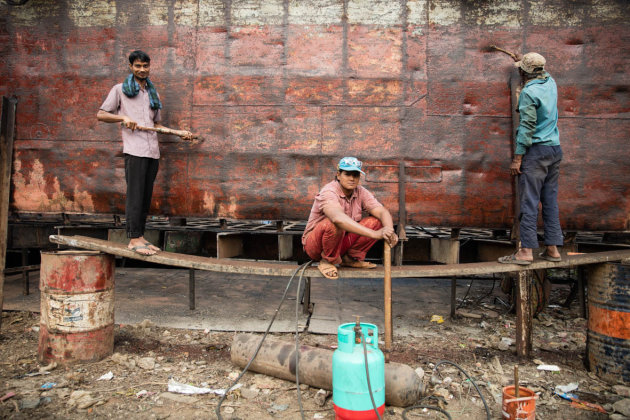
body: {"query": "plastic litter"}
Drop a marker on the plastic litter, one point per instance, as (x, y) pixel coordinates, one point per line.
(567, 388)
(48, 385)
(437, 318)
(106, 377)
(7, 396)
(180, 388)
(578, 403)
(549, 368)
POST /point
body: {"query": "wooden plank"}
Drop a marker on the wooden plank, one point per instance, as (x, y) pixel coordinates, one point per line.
(282, 269)
(7, 130)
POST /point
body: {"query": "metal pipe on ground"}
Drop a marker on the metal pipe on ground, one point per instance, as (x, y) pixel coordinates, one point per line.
(403, 387)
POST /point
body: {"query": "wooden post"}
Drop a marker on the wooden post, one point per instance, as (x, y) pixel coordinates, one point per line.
(523, 315)
(191, 289)
(26, 283)
(306, 297)
(402, 215)
(387, 284)
(7, 128)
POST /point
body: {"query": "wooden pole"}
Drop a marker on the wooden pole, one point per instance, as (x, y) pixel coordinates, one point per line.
(7, 128)
(523, 315)
(387, 284)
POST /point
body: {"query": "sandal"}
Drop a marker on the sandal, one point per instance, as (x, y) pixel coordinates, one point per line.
(511, 259)
(358, 264)
(328, 270)
(137, 249)
(151, 246)
(548, 257)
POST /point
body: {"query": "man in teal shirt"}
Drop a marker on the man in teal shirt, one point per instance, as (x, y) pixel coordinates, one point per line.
(537, 161)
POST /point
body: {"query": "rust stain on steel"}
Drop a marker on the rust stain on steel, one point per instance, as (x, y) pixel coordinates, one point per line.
(34, 190)
(77, 306)
(281, 90)
(608, 344)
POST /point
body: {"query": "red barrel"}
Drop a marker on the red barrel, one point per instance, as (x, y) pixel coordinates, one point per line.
(608, 338)
(77, 306)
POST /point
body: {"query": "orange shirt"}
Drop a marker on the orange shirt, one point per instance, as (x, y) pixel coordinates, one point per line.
(331, 194)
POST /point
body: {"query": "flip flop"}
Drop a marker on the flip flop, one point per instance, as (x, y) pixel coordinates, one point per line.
(137, 249)
(358, 264)
(152, 247)
(511, 259)
(548, 257)
(328, 270)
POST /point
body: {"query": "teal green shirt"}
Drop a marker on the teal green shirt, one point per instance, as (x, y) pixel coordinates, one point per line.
(538, 109)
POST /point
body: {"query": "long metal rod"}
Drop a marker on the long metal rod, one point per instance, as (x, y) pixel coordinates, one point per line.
(387, 284)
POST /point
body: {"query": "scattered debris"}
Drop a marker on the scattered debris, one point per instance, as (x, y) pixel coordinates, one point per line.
(321, 396)
(622, 407)
(578, 403)
(147, 363)
(48, 385)
(567, 388)
(437, 318)
(106, 377)
(467, 314)
(48, 368)
(180, 388)
(7, 396)
(549, 368)
(505, 343)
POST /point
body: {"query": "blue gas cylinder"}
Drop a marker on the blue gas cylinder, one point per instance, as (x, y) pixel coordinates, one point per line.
(351, 396)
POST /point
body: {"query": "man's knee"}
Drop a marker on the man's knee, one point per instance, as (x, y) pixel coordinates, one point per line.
(372, 223)
(329, 228)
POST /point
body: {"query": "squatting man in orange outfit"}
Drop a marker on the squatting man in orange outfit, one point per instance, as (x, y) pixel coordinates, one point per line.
(336, 232)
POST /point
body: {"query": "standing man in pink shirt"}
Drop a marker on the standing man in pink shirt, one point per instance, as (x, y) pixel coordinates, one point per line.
(336, 232)
(134, 103)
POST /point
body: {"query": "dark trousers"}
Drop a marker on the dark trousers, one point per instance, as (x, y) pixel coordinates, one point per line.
(140, 173)
(538, 183)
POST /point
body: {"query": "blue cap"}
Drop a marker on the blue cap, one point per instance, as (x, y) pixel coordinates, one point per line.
(350, 164)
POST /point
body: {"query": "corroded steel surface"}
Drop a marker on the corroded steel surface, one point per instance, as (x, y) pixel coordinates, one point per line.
(608, 344)
(280, 89)
(77, 306)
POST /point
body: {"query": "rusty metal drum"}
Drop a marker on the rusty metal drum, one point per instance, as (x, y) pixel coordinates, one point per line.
(77, 306)
(608, 339)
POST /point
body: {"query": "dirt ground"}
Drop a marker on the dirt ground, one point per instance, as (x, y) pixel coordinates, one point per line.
(147, 357)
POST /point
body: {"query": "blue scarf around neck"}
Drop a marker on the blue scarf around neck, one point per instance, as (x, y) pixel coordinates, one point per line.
(131, 88)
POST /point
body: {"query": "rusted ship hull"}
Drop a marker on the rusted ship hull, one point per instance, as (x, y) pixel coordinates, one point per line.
(281, 89)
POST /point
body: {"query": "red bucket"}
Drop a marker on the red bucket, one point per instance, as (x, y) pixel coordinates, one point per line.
(522, 408)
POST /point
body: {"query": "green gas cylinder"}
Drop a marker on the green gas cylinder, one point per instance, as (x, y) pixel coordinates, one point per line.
(351, 396)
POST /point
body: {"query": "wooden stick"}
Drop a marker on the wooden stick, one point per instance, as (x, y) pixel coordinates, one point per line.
(162, 130)
(511, 54)
(387, 285)
(516, 386)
